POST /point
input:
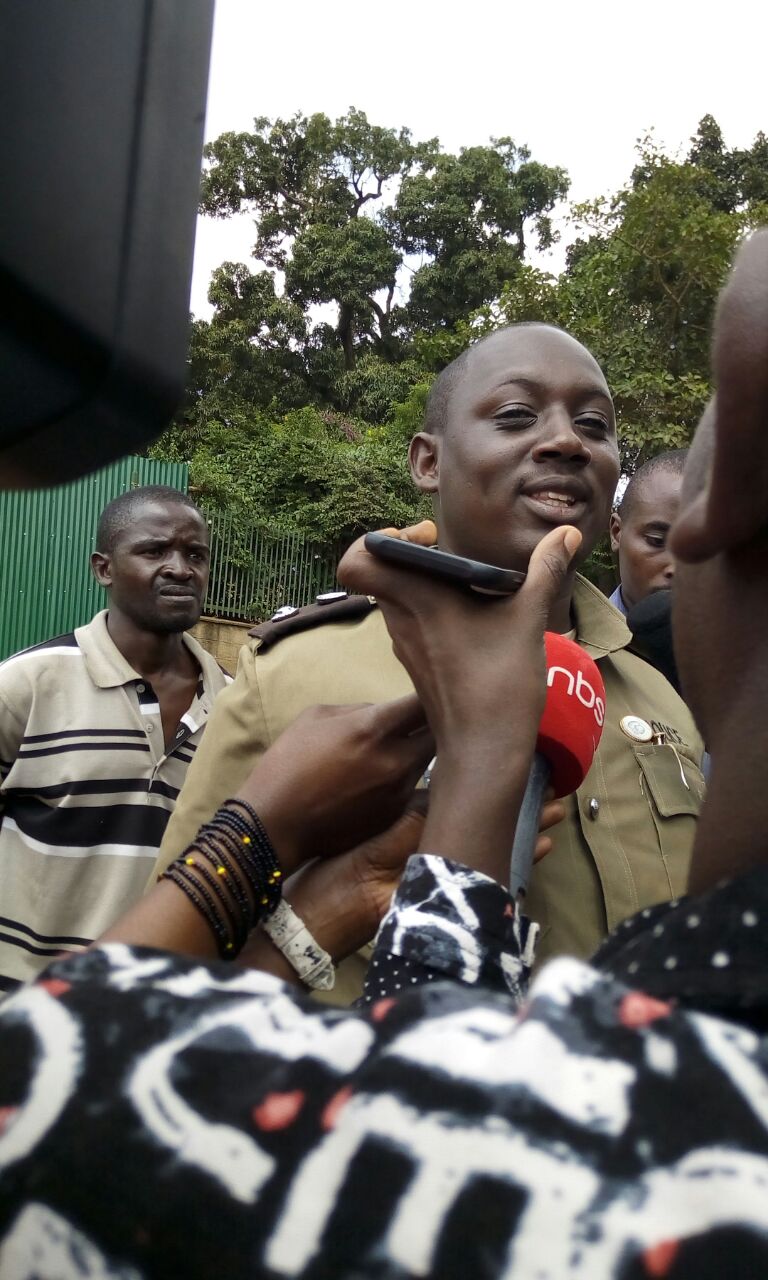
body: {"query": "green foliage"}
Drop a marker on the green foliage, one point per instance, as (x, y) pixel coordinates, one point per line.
(316, 189)
(375, 387)
(378, 259)
(469, 214)
(640, 284)
(640, 289)
(600, 566)
(339, 206)
(310, 471)
(408, 415)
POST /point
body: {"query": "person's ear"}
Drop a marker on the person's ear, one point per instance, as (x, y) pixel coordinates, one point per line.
(101, 568)
(614, 531)
(731, 507)
(424, 461)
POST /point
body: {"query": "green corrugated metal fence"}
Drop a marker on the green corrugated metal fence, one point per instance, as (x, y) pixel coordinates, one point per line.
(252, 574)
(46, 586)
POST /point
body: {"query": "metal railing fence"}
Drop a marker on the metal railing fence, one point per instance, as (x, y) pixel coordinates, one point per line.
(253, 573)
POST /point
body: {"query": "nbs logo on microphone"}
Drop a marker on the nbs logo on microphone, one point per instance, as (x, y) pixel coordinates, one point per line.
(579, 687)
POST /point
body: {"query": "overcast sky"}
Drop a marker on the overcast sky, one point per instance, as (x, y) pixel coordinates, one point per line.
(577, 83)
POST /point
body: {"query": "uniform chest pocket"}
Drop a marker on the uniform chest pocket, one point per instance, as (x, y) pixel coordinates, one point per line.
(662, 779)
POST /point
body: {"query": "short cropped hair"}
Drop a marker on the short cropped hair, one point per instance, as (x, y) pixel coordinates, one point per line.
(442, 389)
(672, 460)
(123, 510)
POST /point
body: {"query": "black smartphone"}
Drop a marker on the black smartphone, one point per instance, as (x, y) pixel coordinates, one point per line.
(488, 579)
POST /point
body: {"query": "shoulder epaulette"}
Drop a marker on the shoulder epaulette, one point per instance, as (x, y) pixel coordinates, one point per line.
(331, 606)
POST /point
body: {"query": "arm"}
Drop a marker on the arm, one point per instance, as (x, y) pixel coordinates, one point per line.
(337, 777)
(448, 922)
(479, 669)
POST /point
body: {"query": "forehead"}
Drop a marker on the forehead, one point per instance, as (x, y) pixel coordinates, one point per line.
(165, 521)
(553, 360)
(658, 495)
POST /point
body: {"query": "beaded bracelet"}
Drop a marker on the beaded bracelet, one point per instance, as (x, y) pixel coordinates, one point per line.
(202, 900)
(233, 919)
(253, 841)
(231, 875)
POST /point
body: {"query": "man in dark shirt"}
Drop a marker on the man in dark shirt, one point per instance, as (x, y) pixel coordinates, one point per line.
(614, 1126)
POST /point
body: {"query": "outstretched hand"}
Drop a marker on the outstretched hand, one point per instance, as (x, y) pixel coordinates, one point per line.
(477, 663)
(338, 776)
(343, 900)
(479, 669)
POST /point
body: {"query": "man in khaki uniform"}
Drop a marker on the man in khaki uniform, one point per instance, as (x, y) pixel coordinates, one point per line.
(519, 436)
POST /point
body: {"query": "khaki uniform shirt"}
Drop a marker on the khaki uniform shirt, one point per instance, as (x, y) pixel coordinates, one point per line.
(628, 833)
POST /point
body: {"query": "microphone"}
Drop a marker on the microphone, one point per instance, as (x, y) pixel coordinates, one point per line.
(650, 622)
(569, 732)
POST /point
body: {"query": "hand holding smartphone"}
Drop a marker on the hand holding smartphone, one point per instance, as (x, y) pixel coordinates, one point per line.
(473, 575)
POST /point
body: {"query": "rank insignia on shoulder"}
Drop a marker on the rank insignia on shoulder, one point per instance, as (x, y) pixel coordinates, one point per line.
(329, 606)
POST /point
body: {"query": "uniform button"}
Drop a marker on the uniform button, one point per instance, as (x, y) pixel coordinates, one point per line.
(328, 597)
(593, 808)
(150, 728)
(141, 688)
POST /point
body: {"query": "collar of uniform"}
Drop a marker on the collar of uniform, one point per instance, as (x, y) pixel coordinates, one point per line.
(600, 629)
(106, 665)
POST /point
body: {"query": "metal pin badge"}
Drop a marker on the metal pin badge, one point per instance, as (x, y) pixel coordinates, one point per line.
(635, 728)
(286, 611)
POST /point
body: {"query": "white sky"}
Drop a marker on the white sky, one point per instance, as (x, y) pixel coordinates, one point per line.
(577, 83)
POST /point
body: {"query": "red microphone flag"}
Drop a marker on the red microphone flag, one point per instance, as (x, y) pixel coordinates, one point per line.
(574, 713)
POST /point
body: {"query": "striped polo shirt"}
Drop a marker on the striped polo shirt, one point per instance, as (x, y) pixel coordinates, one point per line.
(87, 786)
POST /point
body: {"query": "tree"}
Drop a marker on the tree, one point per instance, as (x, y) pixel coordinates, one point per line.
(378, 259)
(640, 288)
(367, 246)
(469, 214)
(641, 282)
(314, 187)
(341, 206)
(310, 471)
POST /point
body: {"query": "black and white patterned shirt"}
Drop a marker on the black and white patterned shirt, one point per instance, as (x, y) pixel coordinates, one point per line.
(161, 1117)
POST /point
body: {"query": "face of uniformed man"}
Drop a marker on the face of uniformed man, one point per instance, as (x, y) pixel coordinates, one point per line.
(529, 443)
(640, 536)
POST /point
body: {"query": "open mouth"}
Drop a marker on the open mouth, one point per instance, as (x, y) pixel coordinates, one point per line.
(553, 499)
(556, 502)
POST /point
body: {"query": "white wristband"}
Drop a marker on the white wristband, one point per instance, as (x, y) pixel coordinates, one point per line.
(291, 936)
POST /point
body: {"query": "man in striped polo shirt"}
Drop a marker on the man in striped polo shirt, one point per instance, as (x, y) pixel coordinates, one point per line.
(97, 730)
